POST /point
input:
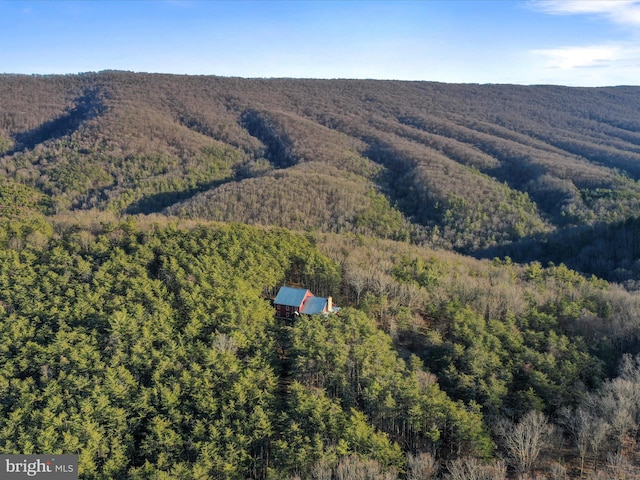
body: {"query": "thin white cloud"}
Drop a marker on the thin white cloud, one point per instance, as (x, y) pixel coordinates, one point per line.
(567, 58)
(619, 11)
(616, 61)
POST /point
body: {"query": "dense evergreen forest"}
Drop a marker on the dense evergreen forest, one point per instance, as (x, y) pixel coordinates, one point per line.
(480, 239)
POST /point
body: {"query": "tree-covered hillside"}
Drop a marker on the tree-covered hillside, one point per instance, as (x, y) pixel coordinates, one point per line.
(156, 352)
(469, 167)
(147, 221)
(151, 350)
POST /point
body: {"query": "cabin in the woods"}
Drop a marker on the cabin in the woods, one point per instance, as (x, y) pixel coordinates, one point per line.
(291, 302)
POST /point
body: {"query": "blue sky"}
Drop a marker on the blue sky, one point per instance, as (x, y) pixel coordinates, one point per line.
(578, 43)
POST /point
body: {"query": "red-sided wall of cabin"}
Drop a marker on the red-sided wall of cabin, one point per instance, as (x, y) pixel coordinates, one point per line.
(281, 310)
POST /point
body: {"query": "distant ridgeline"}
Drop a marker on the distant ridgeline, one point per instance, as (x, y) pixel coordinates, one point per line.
(465, 167)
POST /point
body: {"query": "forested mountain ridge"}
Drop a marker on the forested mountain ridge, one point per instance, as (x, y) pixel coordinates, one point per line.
(468, 167)
(147, 220)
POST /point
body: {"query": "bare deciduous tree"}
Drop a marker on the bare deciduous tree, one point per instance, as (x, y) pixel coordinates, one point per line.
(599, 431)
(523, 441)
(618, 467)
(618, 401)
(557, 471)
(354, 468)
(356, 278)
(422, 466)
(588, 429)
(322, 470)
(469, 468)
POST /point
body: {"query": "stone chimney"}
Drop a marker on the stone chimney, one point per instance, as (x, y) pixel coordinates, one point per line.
(329, 304)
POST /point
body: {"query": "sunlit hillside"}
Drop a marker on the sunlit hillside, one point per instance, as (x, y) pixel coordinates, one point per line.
(480, 241)
(469, 167)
